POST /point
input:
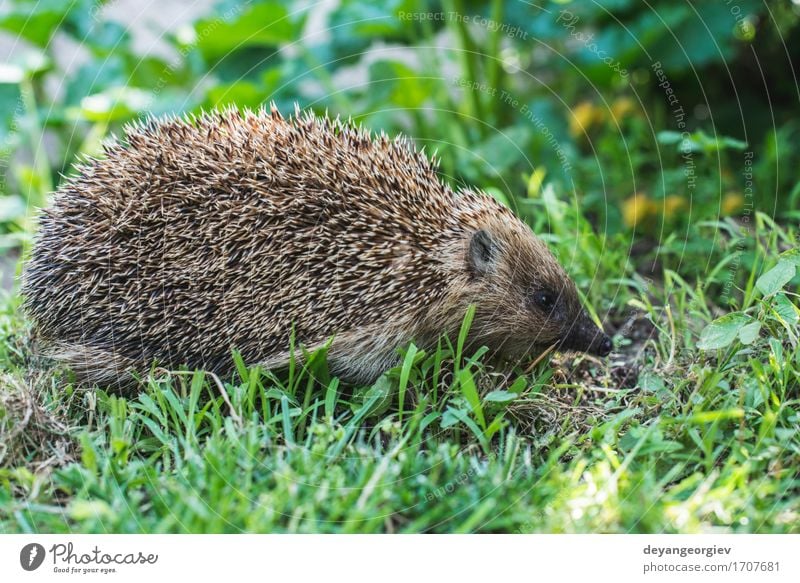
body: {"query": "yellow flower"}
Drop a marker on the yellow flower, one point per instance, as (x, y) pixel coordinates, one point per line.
(732, 203)
(637, 209)
(535, 181)
(584, 115)
(621, 107)
(673, 204)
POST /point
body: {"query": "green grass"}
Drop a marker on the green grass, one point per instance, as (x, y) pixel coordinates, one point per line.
(662, 437)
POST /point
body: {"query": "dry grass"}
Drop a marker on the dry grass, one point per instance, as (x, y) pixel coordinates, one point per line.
(34, 433)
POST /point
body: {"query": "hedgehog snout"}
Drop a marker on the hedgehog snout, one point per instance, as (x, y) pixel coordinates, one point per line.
(585, 336)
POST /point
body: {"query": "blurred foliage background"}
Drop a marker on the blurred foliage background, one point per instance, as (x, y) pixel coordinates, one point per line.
(649, 119)
(653, 144)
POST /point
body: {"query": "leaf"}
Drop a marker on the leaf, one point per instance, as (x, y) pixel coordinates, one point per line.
(501, 150)
(396, 83)
(288, 432)
(81, 510)
(668, 137)
(650, 382)
(467, 384)
(331, 394)
(500, 396)
(731, 143)
(11, 208)
(785, 309)
(119, 103)
(405, 373)
(88, 453)
(773, 280)
(35, 21)
(722, 331)
(10, 110)
(535, 181)
(259, 25)
(449, 418)
(496, 425)
(712, 416)
(749, 332)
(462, 333)
(240, 94)
(792, 255)
(378, 397)
(354, 24)
(453, 416)
(518, 385)
(699, 141)
(428, 419)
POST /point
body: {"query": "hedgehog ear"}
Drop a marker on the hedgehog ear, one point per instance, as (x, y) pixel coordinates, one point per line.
(482, 253)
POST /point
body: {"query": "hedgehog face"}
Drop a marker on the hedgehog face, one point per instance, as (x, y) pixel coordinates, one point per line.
(525, 301)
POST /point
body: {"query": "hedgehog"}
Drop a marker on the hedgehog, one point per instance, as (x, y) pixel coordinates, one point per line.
(245, 230)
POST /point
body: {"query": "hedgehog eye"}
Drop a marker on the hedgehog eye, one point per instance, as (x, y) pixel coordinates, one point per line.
(544, 299)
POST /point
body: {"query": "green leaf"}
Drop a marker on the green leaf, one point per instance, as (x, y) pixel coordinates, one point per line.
(711, 416)
(501, 150)
(240, 94)
(731, 143)
(90, 509)
(668, 137)
(449, 419)
(792, 255)
(785, 309)
(518, 385)
(773, 280)
(119, 103)
(396, 83)
(462, 333)
(88, 453)
(405, 373)
(35, 21)
(699, 141)
(288, 431)
(722, 331)
(354, 24)
(650, 382)
(261, 25)
(749, 332)
(11, 208)
(467, 384)
(496, 425)
(378, 397)
(453, 416)
(331, 394)
(500, 396)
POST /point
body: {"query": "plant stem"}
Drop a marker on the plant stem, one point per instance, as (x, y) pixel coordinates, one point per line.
(36, 136)
(469, 59)
(494, 62)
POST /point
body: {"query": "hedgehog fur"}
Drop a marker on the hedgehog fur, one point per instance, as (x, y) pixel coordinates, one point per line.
(198, 235)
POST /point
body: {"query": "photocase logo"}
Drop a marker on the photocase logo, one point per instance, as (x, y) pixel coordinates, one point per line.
(31, 556)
